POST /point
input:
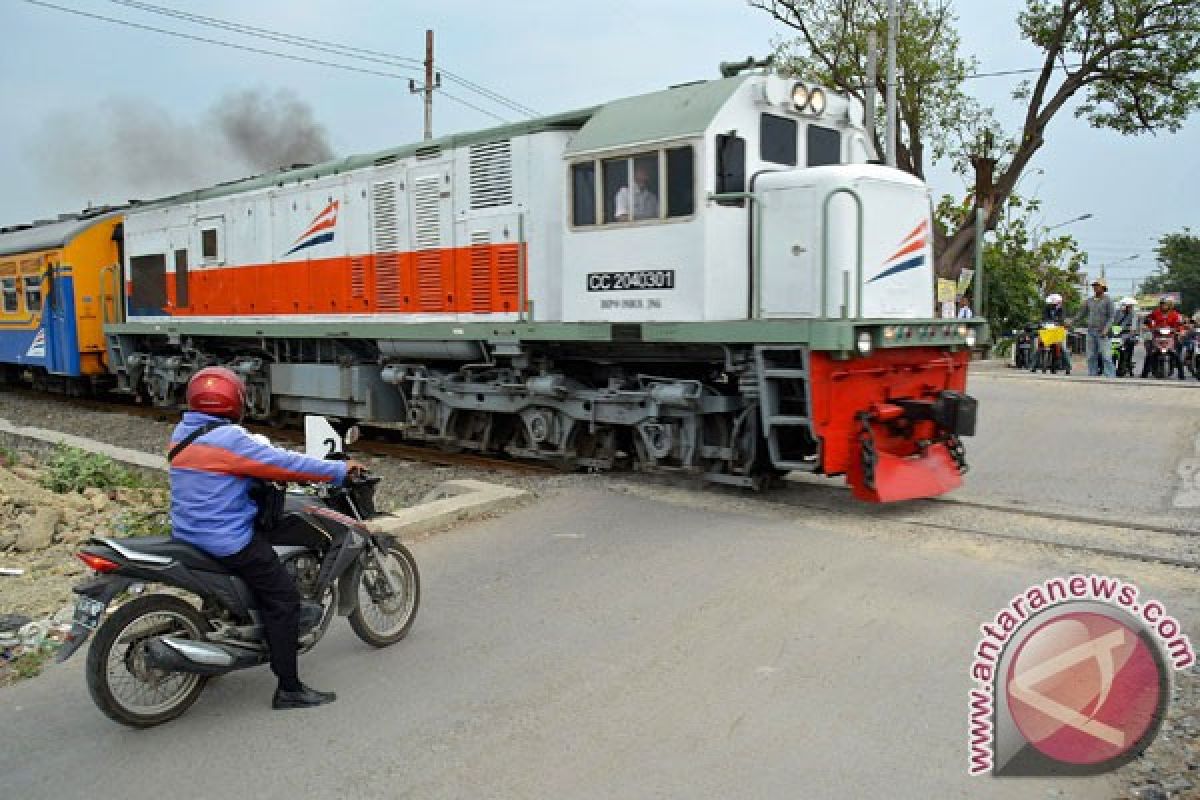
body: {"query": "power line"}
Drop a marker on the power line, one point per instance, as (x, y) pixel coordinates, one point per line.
(252, 49)
(346, 51)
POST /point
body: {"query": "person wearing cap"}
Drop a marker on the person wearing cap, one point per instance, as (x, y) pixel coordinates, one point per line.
(1165, 316)
(1097, 314)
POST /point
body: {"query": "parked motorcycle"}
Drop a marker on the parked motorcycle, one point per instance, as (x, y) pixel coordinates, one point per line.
(156, 648)
(1023, 347)
(1162, 352)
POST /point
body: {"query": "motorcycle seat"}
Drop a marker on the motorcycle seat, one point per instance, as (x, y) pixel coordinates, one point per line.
(165, 547)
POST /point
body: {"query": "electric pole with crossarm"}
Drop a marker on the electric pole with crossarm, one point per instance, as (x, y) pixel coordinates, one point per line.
(433, 80)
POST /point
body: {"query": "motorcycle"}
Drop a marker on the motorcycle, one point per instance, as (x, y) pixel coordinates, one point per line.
(1123, 344)
(1162, 352)
(155, 650)
(1023, 348)
(1051, 344)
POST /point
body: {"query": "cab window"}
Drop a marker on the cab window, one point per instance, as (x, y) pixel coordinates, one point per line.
(824, 146)
(633, 188)
(777, 140)
(731, 167)
(8, 288)
(33, 292)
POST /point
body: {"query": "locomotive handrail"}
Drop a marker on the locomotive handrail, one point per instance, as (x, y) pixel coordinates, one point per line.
(756, 245)
(858, 256)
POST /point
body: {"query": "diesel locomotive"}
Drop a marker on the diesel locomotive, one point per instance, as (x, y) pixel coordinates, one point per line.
(715, 277)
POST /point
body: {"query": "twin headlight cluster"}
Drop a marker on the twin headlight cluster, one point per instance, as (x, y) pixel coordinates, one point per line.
(809, 100)
(913, 334)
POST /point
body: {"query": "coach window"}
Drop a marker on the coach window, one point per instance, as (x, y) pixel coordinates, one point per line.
(681, 182)
(777, 139)
(208, 245)
(583, 193)
(8, 286)
(731, 167)
(33, 292)
(824, 146)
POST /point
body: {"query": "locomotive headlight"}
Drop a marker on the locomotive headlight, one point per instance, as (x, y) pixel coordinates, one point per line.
(889, 333)
(816, 101)
(970, 337)
(864, 343)
(800, 96)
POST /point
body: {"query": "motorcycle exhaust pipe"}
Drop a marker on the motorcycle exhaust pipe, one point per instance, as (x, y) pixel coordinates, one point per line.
(199, 658)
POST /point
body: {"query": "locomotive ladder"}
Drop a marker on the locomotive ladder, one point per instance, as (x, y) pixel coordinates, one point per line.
(784, 405)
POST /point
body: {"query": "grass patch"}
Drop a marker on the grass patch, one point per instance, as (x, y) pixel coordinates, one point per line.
(8, 456)
(144, 523)
(73, 470)
(27, 665)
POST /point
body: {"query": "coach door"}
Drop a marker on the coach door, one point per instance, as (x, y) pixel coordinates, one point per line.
(430, 217)
(58, 321)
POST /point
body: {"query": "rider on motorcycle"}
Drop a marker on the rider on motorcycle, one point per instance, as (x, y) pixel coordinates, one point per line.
(1165, 316)
(211, 509)
(1055, 313)
(1129, 325)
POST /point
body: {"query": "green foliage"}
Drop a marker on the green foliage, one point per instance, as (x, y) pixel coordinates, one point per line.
(73, 470)
(144, 523)
(8, 456)
(1020, 268)
(1178, 269)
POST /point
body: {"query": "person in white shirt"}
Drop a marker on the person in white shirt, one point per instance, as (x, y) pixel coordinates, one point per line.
(645, 201)
(964, 308)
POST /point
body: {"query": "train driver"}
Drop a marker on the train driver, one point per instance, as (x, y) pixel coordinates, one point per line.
(645, 201)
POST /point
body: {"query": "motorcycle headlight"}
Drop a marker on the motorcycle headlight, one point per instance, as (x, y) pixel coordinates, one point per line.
(864, 343)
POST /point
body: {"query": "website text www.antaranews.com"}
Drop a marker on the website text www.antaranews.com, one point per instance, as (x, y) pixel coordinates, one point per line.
(1176, 646)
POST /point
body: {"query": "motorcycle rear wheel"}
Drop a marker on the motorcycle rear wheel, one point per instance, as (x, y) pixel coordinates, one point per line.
(387, 620)
(120, 683)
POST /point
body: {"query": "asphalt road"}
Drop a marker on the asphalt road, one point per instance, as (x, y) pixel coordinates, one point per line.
(597, 645)
(1103, 448)
(657, 642)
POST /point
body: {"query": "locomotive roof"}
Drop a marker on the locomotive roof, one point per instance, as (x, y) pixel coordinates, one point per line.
(673, 113)
(49, 234)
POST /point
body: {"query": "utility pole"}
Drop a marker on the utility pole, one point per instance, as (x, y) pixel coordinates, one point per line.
(433, 80)
(891, 84)
(872, 77)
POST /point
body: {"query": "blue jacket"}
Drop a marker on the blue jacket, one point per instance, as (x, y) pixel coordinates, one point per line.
(211, 477)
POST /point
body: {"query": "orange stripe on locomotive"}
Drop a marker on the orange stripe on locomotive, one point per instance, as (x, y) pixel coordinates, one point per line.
(479, 279)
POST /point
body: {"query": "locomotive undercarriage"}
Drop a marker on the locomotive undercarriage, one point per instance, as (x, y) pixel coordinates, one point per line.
(600, 406)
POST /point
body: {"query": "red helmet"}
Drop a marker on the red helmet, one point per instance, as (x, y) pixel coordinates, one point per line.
(217, 390)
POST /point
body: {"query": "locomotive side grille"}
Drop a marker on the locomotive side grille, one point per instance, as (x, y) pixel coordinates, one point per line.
(427, 219)
(481, 271)
(507, 263)
(385, 233)
(357, 278)
(491, 174)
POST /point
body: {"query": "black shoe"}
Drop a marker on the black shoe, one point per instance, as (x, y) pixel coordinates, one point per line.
(305, 698)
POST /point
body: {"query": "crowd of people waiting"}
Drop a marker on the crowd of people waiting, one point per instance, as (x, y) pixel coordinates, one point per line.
(1102, 318)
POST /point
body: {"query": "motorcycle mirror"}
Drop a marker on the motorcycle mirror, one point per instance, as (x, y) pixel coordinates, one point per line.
(321, 440)
(353, 434)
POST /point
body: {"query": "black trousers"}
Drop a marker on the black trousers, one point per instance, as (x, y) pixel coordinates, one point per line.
(278, 604)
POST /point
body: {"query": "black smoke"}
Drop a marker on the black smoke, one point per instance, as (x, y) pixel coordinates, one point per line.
(125, 148)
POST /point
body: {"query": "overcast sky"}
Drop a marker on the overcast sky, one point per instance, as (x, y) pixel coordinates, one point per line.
(65, 78)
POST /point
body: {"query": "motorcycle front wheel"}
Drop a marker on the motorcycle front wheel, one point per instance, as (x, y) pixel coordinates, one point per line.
(122, 685)
(382, 618)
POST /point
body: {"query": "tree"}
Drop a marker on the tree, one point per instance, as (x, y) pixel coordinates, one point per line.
(1129, 65)
(1020, 268)
(1178, 269)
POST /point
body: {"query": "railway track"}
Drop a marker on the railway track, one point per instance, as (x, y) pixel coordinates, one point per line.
(374, 441)
(1111, 538)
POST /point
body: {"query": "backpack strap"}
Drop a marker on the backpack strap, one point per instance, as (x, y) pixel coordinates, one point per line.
(194, 435)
